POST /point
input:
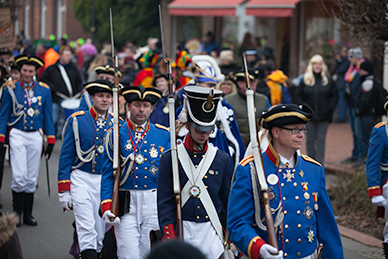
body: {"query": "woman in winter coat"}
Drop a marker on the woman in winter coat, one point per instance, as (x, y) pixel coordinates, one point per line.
(319, 92)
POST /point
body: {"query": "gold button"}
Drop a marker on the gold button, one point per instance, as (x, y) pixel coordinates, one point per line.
(135, 186)
(32, 121)
(293, 170)
(145, 150)
(284, 198)
(25, 101)
(287, 240)
(168, 238)
(96, 137)
(196, 166)
(145, 186)
(295, 184)
(145, 168)
(298, 254)
(280, 170)
(95, 162)
(195, 156)
(254, 241)
(167, 233)
(198, 207)
(98, 130)
(299, 225)
(96, 154)
(296, 197)
(145, 141)
(166, 228)
(298, 212)
(282, 184)
(136, 150)
(198, 198)
(145, 159)
(25, 121)
(286, 226)
(197, 217)
(299, 240)
(285, 254)
(64, 182)
(205, 177)
(104, 129)
(31, 127)
(93, 171)
(206, 186)
(136, 177)
(285, 212)
(136, 168)
(203, 155)
(25, 108)
(206, 217)
(145, 177)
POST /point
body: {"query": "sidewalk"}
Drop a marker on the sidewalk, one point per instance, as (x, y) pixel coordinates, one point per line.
(339, 145)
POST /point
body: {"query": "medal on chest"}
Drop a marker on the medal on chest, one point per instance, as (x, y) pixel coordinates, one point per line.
(30, 112)
(165, 110)
(100, 149)
(195, 191)
(139, 159)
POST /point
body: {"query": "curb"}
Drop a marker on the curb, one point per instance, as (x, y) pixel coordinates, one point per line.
(360, 237)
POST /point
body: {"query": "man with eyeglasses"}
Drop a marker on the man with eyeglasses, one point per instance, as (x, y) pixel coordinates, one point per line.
(301, 209)
(204, 172)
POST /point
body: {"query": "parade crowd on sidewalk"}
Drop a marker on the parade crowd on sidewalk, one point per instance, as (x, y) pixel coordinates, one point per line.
(65, 90)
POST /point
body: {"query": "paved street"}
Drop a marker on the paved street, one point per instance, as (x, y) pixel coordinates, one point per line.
(53, 236)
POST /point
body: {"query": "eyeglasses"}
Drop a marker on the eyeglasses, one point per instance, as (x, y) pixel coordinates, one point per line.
(295, 130)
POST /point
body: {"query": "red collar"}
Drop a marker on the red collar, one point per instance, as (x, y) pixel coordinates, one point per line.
(273, 155)
(188, 143)
(22, 83)
(132, 125)
(94, 113)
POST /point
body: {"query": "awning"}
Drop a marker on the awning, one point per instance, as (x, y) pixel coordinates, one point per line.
(271, 8)
(203, 7)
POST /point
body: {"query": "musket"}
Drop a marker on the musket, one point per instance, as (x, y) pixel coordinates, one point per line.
(174, 154)
(48, 175)
(116, 130)
(259, 159)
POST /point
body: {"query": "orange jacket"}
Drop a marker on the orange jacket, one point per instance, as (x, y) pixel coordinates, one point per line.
(276, 81)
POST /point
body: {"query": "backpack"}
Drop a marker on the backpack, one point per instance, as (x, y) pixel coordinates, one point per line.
(380, 98)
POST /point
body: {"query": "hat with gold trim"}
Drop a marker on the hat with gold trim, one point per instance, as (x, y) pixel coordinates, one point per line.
(24, 59)
(200, 107)
(107, 70)
(285, 114)
(136, 93)
(100, 85)
(252, 74)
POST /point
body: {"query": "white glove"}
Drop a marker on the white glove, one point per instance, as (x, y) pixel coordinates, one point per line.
(268, 251)
(379, 200)
(65, 200)
(108, 215)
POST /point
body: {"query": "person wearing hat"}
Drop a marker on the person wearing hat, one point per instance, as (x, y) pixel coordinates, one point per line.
(160, 111)
(205, 173)
(64, 80)
(27, 108)
(15, 71)
(81, 164)
(103, 72)
(377, 174)
(141, 145)
(150, 59)
(238, 100)
(5, 54)
(301, 208)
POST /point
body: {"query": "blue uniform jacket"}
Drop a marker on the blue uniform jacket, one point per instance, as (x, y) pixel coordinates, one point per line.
(144, 176)
(39, 104)
(158, 115)
(377, 156)
(299, 194)
(217, 179)
(91, 134)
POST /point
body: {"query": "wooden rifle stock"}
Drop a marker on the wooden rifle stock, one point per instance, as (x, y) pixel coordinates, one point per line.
(116, 133)
(253, 131)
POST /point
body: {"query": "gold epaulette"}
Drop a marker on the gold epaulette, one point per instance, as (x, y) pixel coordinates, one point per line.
(78, 113)
(44, 85)
(246, 160)
(161, 127)
(309, 159)
(378, 125)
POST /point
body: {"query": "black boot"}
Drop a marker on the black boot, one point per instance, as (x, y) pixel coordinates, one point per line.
(17, 204)
(385, 249)
(28, 219)
(88, 254)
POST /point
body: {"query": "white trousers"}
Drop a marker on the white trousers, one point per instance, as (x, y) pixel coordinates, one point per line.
(203, 236)
(385, 195)
(85, 194)
(25, 155)
(133, 233)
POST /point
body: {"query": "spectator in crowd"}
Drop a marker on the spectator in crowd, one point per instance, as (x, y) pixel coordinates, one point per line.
(227, 61)
(365, 99)
(276, 81)
(247, 43)
(28, 47)
(227, 86)
(262, 86)
(65, 82)
(98, 60)
(5, 54)
(210, 46)
(341, 66)
(15, 70)
(10, 247)
(319, 92)
(181, 68)
(160, 110)
(352, 78)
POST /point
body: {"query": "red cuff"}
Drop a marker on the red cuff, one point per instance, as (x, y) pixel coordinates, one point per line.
(106, 205)
(254, 247)
(168, 232)
(63, 185)
(51, 139)
(374, 191)
(2, 138)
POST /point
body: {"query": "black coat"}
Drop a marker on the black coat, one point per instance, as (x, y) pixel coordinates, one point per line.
(52, 76)
(322, 99)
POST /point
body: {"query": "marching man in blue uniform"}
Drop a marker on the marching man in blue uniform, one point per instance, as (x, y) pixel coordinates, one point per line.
(141, 146)
(80, 167)
(301, 209)
(205, 173)
(27, 109)
(377, 173)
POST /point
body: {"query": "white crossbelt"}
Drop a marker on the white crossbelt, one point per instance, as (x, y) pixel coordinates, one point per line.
(200, 171)
(66, 79)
